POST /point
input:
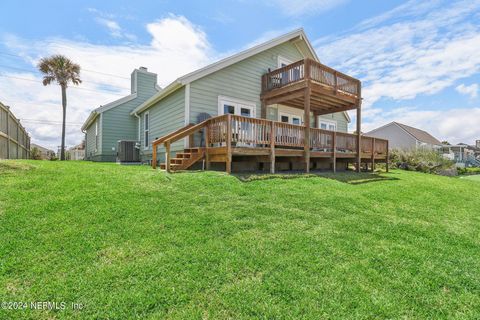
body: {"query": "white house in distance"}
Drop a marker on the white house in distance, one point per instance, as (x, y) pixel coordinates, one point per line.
(401, 136)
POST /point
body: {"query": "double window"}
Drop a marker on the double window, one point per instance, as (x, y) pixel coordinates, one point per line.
(290, 118)
(146, 128)
(234, 106)
(327, 124)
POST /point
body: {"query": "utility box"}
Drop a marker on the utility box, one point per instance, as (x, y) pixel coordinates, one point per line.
(128, 151)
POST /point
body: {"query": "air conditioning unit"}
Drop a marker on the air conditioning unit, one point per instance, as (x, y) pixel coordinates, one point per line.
(128, 151)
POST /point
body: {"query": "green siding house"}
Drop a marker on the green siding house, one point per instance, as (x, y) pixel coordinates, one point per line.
(112, 122)
(234, 81)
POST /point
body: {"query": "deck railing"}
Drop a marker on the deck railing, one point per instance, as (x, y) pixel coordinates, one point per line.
(238, 131)
(309, 69)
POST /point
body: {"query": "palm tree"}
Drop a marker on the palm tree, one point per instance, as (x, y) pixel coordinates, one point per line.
(62, 70)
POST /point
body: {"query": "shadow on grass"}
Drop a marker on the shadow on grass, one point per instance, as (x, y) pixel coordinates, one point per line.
(349, 177)
(12, 166)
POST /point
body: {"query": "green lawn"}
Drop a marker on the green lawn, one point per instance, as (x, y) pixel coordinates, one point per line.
(475, 177)
(129, 242)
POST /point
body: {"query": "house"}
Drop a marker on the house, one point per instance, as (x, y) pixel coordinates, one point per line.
(276, 88)
(77, 152)
(462, 154)
(44, 153)
(271, 107)
(401, 136)
(108, 124)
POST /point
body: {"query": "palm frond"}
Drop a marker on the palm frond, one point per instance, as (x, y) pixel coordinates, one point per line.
(60, 69)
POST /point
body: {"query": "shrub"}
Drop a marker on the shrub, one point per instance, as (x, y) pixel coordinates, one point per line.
(468, 171)
(35, 154)
(427, 161)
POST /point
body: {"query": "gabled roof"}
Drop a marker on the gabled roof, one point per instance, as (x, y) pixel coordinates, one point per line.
(417, 134)
(95, 112)
(420, 135)
(200, 73)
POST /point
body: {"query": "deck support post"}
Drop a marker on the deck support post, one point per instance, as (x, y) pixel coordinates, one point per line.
(263, 109)
(167, 156)
(359, 137)
(373, 154)
(334, 151)
(154, 156)
(272, 146)
(307, 124)
(388, 158)
(207, 145)
(228, 164)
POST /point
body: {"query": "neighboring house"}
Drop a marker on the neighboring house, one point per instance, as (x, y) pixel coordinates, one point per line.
(232, 85)
(401, 136)
(112, 122)
(462, 154)
(45, 154)
(77, 152)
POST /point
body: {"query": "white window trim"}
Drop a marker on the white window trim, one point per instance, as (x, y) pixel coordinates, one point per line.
(146, 145)
(327, 122)
(282, 60)
(96, 135)
(290, 116)
(236, 102)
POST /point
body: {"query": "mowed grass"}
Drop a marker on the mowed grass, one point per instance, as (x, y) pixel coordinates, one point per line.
(473, 177)
(128, 242)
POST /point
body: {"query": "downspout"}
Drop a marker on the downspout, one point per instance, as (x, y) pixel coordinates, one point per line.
(139, 119)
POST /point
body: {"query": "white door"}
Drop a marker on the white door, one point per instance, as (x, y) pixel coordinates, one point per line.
(240, 108)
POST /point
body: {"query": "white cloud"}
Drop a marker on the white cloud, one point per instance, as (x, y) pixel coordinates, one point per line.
(418, 48)
(471, 90)
(306, 7)
(176, 48)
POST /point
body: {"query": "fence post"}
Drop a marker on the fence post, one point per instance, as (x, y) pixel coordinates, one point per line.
(207, 145)
(8, 132)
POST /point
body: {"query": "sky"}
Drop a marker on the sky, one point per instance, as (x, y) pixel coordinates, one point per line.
(418, 61)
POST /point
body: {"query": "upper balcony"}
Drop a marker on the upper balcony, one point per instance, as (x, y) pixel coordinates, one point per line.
(330, 90)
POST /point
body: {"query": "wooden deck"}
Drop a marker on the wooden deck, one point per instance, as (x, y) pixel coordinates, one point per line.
(230, 137)
(306, 84)
(329, 90)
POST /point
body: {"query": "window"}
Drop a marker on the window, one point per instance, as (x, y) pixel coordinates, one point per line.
(290, 118)
(327, 124)
(228, 109)
(146, 129)
(234, 106)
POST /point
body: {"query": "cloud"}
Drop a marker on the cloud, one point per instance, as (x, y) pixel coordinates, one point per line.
(176, 48)
(471, 90)
(113, 27)
(401, 60)
(417, 48)
(306, 7)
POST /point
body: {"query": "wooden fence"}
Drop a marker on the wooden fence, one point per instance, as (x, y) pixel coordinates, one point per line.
(14, 139)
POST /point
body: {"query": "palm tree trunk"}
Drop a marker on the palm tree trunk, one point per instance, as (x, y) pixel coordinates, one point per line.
(64, 108)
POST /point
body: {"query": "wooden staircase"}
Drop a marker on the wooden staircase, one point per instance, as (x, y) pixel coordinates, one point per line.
(184, 160)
